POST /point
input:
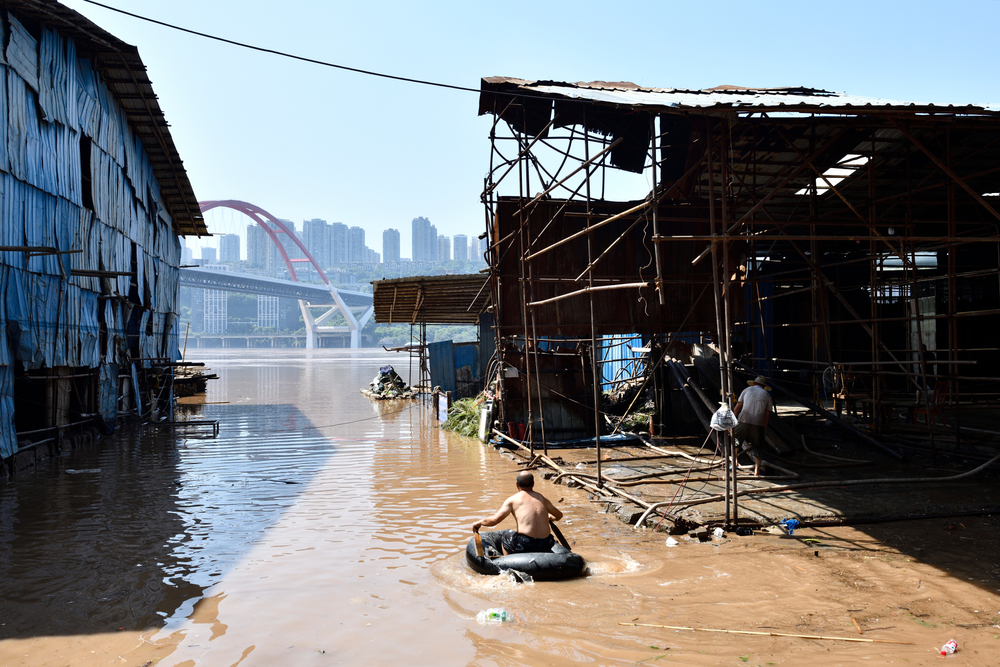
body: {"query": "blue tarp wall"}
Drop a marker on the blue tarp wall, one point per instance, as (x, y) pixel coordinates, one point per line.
(51, 102)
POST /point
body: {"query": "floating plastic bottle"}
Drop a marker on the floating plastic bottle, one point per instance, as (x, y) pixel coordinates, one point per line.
(494, 615)
(950, 647)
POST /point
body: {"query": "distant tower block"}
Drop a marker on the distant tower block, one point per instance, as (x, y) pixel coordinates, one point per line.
(460, 247)
(390, 245)
(267, 312)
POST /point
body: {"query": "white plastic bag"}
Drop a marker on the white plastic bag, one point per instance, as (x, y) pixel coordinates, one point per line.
(723, 419)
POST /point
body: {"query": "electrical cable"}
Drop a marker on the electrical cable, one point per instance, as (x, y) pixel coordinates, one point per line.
(281, 53)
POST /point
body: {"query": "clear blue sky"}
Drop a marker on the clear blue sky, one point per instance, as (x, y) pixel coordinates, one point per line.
(305, 141)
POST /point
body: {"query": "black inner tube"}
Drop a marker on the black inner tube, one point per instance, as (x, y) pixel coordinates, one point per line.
(558, 563)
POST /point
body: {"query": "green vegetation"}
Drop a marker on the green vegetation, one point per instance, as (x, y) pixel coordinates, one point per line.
(396, 335)
(463, 417)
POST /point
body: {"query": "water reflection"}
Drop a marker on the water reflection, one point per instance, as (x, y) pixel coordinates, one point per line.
(90, 552)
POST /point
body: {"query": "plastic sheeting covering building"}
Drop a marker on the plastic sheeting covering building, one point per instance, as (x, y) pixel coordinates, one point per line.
(88, 287)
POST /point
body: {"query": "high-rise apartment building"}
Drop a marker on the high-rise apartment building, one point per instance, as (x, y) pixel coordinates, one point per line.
(390, 245)
(425, 241)
(229, 248)
(460, 247)
(262, 254)
(444, 248)
(316, 237)
(207, 255)
(267, 311)
(216, 304)
(291, 247)
(356, 244)
(338, 243)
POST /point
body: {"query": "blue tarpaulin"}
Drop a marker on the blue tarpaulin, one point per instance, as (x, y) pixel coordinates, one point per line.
(51, 104)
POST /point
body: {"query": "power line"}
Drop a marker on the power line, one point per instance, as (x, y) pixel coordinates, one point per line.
(282, 53)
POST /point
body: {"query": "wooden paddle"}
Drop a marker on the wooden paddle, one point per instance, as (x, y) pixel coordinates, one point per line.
(559, 535)
(479, 544)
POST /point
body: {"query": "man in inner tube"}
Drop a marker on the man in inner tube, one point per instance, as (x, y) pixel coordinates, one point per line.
(531, 512)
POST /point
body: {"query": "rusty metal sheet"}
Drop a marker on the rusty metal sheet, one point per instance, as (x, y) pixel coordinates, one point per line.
(634, 310)
(736, 98)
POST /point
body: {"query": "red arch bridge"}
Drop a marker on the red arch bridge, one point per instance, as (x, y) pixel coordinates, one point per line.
(319, 302)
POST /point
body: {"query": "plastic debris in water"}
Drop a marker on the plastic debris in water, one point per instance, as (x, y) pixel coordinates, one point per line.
(671, 542)
(494, 616)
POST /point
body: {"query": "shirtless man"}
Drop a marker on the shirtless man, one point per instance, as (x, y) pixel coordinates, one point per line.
(531, 515)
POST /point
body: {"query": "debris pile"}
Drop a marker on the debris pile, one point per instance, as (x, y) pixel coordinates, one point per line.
(387, 384)
(189, 380)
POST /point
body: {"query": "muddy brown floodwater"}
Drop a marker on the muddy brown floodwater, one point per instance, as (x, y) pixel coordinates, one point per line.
(322, 529)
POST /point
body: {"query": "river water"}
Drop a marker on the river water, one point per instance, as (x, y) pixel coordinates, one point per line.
(320, 528)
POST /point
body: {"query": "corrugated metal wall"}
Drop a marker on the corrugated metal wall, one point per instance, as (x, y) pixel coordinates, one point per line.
(442, 364)
(51, 102)
(619, 361)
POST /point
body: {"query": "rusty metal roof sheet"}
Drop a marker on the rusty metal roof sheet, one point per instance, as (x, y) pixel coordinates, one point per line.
(125, 75)
(432, 299)
(730, 98)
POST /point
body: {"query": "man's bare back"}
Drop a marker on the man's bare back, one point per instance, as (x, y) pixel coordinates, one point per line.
(531, 510)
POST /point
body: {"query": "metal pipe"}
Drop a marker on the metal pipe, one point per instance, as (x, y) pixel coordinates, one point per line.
(693, 398)
(851, 482)
(850, 363)
(573, 173)
(55, 428)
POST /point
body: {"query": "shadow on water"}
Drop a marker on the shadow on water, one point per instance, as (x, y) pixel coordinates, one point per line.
(126, 534)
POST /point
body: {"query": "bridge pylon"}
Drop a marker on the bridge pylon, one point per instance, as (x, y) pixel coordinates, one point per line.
(316, 325)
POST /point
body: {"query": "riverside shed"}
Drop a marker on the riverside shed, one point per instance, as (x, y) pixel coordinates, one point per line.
(93, 196)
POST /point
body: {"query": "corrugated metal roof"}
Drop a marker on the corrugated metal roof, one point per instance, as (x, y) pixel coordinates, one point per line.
(734, 98)
(125, 76)
(431, 299)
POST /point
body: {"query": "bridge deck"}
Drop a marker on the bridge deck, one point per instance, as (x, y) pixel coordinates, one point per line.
(248, 284)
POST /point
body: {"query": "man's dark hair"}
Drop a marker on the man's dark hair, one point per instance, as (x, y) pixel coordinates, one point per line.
(525, 480)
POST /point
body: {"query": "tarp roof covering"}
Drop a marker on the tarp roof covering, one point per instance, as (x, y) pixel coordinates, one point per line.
(431, 299)
(125, 75)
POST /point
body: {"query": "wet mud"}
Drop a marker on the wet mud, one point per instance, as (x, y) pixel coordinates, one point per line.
(321, 528)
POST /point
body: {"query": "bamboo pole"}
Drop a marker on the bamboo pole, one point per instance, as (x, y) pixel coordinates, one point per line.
(769, 634)
(588, 290)
(656, 205)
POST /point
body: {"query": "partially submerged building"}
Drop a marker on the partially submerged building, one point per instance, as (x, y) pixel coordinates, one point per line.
(94, 196)
(818, 238)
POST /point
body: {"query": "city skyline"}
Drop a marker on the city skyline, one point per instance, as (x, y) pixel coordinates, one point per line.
(249, 238)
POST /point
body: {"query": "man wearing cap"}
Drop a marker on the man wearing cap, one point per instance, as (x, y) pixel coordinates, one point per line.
(753, 410)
